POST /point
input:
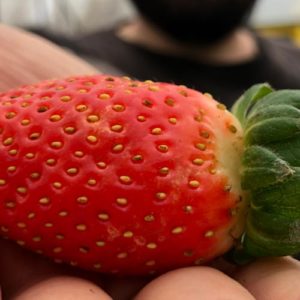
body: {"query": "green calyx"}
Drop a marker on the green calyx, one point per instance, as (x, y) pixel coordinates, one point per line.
(270, 172)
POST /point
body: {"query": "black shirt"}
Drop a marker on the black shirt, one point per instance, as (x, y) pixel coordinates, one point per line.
(277, 63)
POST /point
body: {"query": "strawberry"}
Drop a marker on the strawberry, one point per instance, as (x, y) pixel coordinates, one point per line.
(128, 177)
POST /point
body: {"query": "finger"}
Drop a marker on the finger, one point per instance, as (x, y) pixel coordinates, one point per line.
(273, 278)
(194, 283)
(26, 274)
(26, 58)
(63, 288)
(21, 269)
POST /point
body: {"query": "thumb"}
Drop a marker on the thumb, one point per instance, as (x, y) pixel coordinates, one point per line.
(271, 278)
(25, 275)
(19, 268)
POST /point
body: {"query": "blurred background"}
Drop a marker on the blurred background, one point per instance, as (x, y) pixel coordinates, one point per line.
(73, 18)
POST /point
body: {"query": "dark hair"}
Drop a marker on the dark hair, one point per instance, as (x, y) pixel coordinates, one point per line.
(196, 21)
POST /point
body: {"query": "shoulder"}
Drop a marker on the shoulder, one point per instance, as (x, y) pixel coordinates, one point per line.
(280, 47)
(281, 58)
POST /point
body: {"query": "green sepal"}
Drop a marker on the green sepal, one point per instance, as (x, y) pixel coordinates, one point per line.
(270, 172)
(272, 130)
(263, 168)
(242, 106)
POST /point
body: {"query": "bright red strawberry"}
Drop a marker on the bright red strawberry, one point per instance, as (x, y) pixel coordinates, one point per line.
(119, 176)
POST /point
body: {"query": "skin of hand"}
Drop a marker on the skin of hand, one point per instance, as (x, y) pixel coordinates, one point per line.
(25, 59)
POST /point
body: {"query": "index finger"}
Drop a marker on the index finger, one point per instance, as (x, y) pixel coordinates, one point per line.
(26, 58)
(272, 278)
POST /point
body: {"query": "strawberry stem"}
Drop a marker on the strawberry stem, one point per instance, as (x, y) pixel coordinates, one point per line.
(270, 172)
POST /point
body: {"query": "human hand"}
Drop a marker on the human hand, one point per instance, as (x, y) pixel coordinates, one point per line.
(25, 59)
(26, 276)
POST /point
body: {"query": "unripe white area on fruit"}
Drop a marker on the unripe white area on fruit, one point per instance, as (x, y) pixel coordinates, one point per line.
(229, 150)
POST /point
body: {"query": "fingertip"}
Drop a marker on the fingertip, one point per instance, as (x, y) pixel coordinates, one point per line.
(63, 288)
(271, 278)
(190, 283)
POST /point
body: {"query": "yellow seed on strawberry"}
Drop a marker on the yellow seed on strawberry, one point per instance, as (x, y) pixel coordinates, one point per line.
(25, 122)
(173, 120)
(63, 213)
(34, 135)
(194, 183)
(72, 171)
(55, 118)
(44, 201)
(141, 118)
(118, 148)
(209, 233)
(70, 129)
(101, 164)
(65, 98)
(81, 107)
(8, 141)
(151, 245)
(125, 179)
(79, 153)
(22, 190)
(100, 243)
(81, 227)
(21, 225)
(13, 152)
(149, 218)
(10, 115)
(104, 96)
(161, 196)
(198, 161)
(150, 263)
(164, 171)
(122, 201)
(122, 255)
(177, 230)
(118, 107)
(51, 161)
(92, 139)
(10, 204)
(82, 200)
(57, 250)
(163, 148)
(156, 131)
(60, 236)
(116, 128)
(56, 144)
(92, 182)
(128, 234)
(103, 216)
(31, 215)
(93, 118)
(11, 168)
(29, 155)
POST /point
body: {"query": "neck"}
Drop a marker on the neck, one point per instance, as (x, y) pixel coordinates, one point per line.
(240, 46)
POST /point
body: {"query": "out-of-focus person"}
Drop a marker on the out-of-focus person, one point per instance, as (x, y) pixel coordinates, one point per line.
(206, 45)
(24, 59)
